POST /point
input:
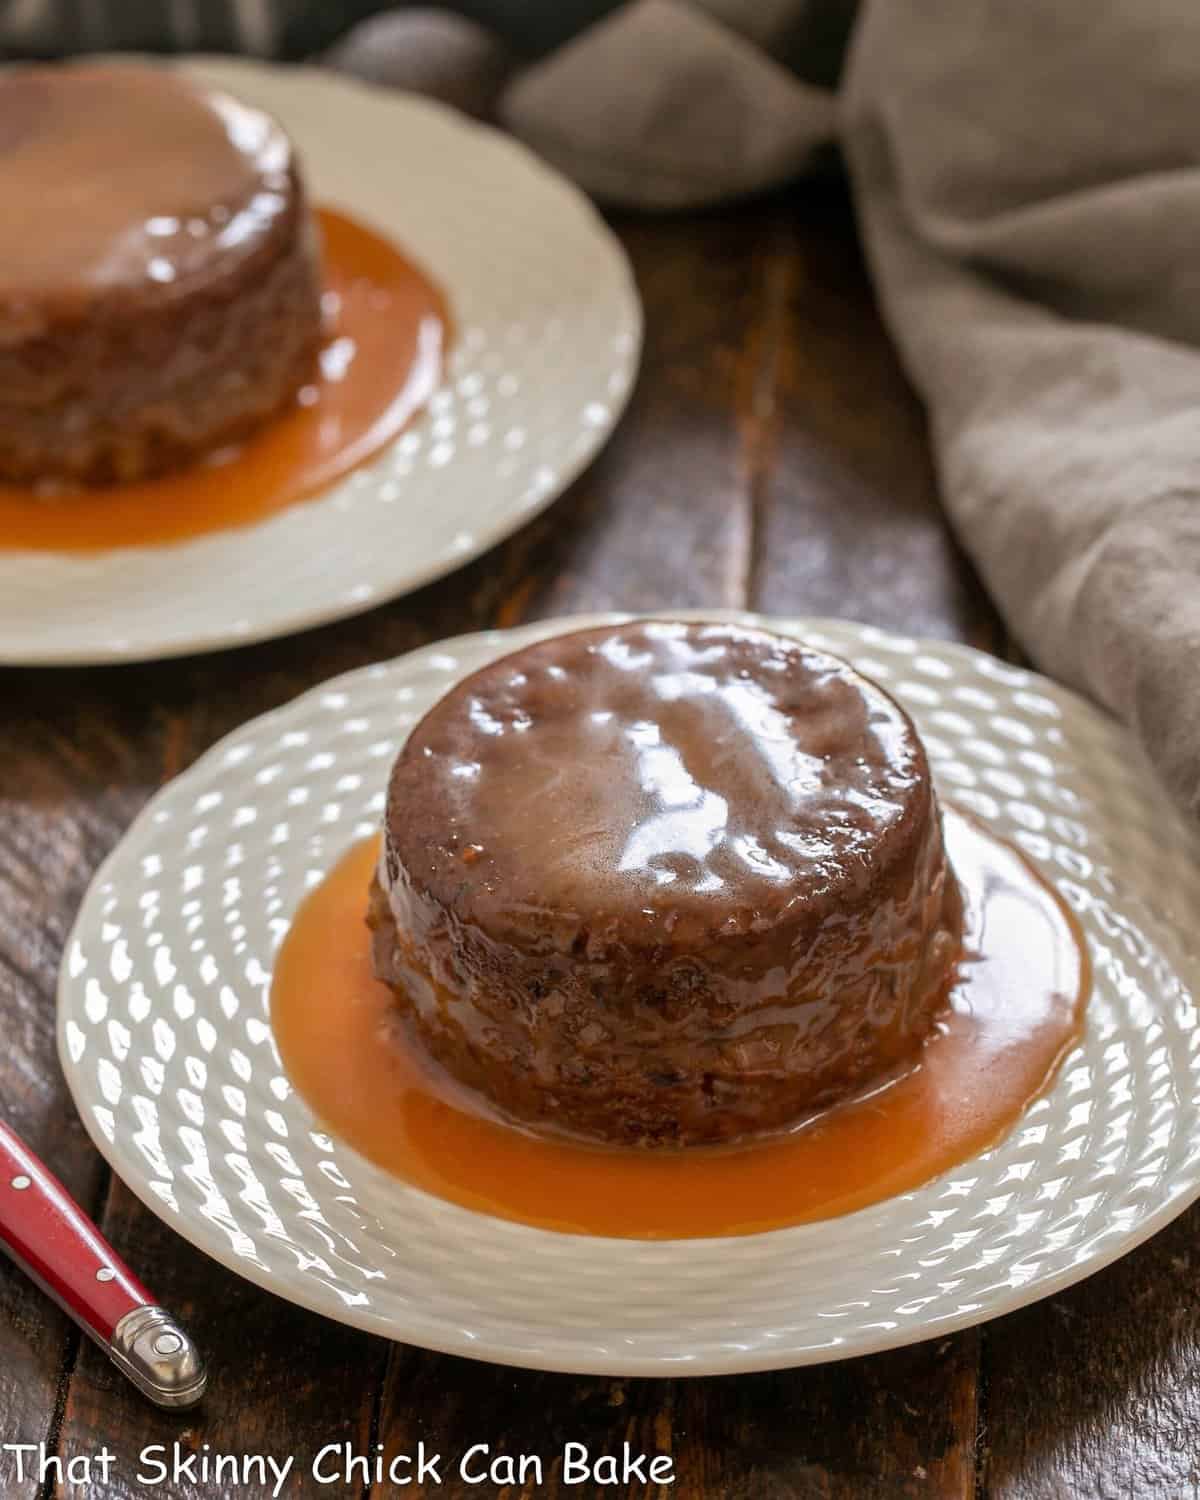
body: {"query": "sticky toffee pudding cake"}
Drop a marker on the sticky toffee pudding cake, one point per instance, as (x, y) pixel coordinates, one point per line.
(159, 272)
(665, 884)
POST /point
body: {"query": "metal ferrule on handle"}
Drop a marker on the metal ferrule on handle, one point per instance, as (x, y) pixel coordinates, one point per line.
(49, 1236)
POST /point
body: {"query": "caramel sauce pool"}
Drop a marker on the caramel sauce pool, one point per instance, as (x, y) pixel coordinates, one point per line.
(1017, 1009)
(380, 363)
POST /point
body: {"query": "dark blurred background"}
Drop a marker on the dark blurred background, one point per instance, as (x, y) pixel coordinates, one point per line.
(813, 45)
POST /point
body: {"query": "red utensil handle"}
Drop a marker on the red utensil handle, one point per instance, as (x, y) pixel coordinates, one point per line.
(49, 1236)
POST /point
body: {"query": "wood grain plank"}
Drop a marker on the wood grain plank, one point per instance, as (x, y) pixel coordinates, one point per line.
(686, 512)
(283, 1381)
(852, 525)
(1095, 1394)
(849, 524)
(864, 1430)
(162, 715)
(271, 1363)
(85, 749)
(60, 808)
(750, 435)
(664, 519)
(87, 758)
(895, 1425)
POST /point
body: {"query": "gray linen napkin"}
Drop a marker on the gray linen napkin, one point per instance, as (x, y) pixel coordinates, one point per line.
(661, 106)
(1028, 179)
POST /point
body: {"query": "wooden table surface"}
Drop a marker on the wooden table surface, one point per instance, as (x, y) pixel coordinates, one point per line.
(774, 458)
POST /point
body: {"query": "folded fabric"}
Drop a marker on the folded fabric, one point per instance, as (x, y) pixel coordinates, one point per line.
(1028, 179)
(663, 107)
(430, 51)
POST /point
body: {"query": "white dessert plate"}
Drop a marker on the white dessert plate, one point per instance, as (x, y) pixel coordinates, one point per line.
(166, 1044)
(548, 333)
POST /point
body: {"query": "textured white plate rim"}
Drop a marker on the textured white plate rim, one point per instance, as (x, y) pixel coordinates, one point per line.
(435, 1335)
(286, 620)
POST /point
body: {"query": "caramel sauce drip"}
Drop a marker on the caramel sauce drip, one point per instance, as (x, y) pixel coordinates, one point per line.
(1017, 1009)
(382, 359)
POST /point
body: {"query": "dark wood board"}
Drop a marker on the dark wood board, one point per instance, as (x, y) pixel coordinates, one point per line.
(772, 458)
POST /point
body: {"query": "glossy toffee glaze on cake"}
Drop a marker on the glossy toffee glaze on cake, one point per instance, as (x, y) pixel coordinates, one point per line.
(384, 342)
(1016, 1008)
(159, 276)
(665, 884)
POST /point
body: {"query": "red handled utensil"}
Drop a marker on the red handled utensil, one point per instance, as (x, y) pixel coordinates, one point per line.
(49, 1236)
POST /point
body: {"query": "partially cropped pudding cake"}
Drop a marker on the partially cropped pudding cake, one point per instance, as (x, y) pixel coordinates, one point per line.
(665, 884)
(160, 289)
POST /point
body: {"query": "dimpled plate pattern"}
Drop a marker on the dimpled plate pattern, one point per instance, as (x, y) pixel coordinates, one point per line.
(548, 336)
(164, 1036)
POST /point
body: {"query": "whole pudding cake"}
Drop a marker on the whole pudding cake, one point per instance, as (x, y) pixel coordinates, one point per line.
(159, 273)
(665, 884)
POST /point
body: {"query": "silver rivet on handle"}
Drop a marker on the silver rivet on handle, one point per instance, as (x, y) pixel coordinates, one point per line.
(158, 1356)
